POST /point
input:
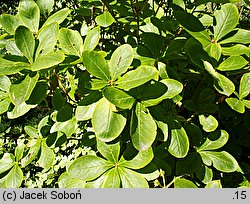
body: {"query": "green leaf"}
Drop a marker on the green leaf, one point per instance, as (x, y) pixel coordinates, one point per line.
(4, 105)
(14, 178)
(58, 17)
(8, 67)
(68, 127)
(96, 64)
(48, 61)
(179, 143)
(31, 131)
(21, 92)
(92, 39)
(88, 167)
(45, 6)
(29, 13)
(236, 104)
(137, 77)
(105, 19)
(210, 69)
(47, 157)
(19, 110)
(174, 87)
(237, 49)
(70, 42)
(86, 107)
(223, 161)
(6, 162)
(242, 36)
(205, 174)
(215, 140)
(12, 48)
(246, 103)
(4, 83)
(183, 183)
(209, 123)
(150, 90)
(112, 179)
(233, 63)
(226, 20)
(118, 97)
(34, 147)
(120, 60)
(214, 50)
(19, 150)
(25, 42)
(142, 128)
(110, 151)
(224, 85)
(202, 36)
(107, 123)
(244, 89)
(10, 23)
(214, 184)
(47, 37)
(131, 179)
(67, 181)
(142, 159)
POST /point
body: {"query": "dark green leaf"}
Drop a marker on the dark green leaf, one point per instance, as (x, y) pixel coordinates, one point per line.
(25, 42)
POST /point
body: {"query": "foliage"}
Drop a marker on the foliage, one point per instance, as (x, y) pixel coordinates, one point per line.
(131, 94)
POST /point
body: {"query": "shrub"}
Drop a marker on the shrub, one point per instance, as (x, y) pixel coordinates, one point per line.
(124, 94)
